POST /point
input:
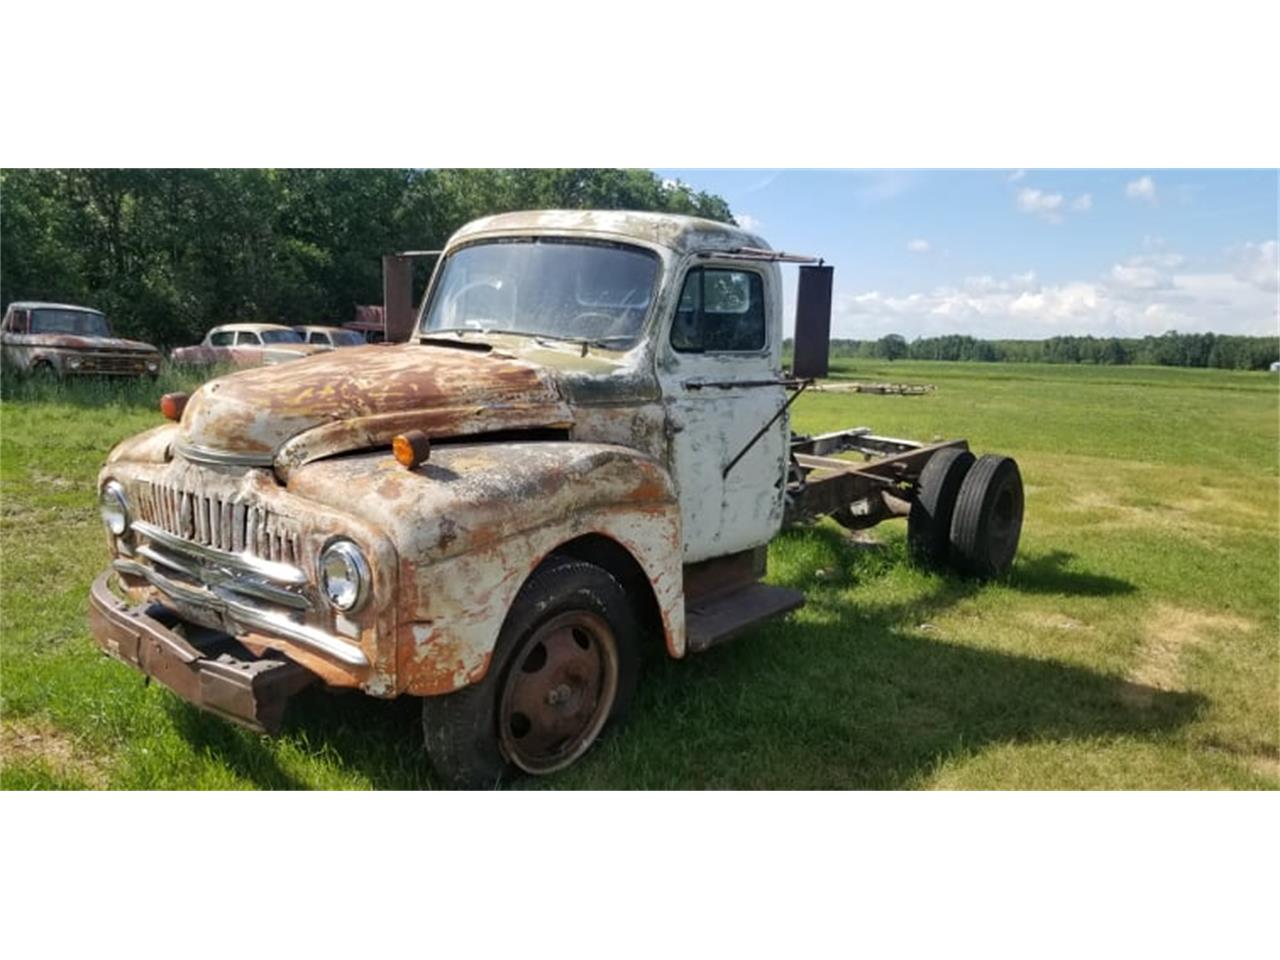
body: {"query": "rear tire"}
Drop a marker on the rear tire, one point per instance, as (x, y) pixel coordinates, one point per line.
(987, 522)
(929, 523)
(565, 666)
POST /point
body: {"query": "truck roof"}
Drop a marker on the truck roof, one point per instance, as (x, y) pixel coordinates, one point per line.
(44, 305)
(676, 231)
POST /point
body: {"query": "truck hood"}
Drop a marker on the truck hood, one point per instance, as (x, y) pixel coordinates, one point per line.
(361, 397)
(70, 341)
(302, 349)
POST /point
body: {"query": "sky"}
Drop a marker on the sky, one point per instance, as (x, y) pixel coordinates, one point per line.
(1022, 253)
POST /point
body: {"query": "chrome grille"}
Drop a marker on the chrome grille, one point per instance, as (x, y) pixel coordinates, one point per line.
(112, 363)
(224, 523)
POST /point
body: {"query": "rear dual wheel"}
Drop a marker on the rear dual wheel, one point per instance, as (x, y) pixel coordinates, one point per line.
(987, 521)
(565, 666)
(929, 523)
(967, 514)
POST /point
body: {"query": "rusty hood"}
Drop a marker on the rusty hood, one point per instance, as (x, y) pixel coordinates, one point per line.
(361, 397)
(71, 341)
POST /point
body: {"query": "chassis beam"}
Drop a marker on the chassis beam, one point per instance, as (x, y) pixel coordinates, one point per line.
(871, 491)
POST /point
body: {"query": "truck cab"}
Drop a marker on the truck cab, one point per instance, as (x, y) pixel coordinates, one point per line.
(661, 339)
(581, 451)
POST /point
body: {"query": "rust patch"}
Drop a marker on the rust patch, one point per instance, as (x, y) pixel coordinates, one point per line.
(362, 396)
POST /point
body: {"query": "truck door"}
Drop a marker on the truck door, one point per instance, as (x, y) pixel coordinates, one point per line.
(720, 368)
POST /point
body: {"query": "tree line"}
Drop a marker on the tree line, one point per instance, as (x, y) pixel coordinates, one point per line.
(169, 253)
(1171, 349)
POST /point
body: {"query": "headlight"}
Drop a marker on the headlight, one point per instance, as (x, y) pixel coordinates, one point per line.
(114, 507)
(344, 575)
(74, 363)
(153, 365)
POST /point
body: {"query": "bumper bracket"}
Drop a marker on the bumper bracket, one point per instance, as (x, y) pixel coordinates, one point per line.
(208, 669)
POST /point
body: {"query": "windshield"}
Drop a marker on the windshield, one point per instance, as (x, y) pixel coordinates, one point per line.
(281, 336)
(346, 338)
(579, 290)
(82, 323)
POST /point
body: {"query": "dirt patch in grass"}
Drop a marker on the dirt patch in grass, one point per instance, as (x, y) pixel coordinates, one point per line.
(1167, 633)
(1049, 620)
(28, 741)
(1106, 512)
(1262, 758)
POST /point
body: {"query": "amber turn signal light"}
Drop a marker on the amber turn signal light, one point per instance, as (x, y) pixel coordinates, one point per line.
(411, 448)
(172, 405)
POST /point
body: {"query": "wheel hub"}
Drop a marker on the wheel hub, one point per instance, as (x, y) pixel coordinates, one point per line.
(559, 692)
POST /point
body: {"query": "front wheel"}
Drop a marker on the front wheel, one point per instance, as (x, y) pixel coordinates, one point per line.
(565, 665)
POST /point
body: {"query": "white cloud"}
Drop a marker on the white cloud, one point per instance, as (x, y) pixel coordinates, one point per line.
(1047, 205)
(918, 246)
(747, 222)
(1137, 277)
(669, 184)
(1167, 259)
(1017, 175)
(1146, 271)
(1142, 295)
(1144, 189)
(1258, 264)
(1051, 206)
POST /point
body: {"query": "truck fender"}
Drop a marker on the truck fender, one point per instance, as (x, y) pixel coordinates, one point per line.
(475, 521)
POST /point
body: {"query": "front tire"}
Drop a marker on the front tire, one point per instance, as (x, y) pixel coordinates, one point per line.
(565, 665)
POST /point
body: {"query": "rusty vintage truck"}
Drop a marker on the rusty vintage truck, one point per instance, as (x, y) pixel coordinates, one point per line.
(579, 456)
(60, 339)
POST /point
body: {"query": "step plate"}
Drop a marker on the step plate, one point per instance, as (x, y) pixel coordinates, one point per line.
(716, 619)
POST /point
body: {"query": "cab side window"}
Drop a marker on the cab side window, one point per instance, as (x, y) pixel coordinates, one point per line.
(222, 339)
(247, 338)
(318, 337)
(720, 311)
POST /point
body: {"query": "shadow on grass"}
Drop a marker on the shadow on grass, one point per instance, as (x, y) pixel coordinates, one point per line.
(868, 694)
(1050, 573)
(377, 740)
(850, 694)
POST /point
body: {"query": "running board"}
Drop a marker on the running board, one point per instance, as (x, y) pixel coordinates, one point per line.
(722, 616)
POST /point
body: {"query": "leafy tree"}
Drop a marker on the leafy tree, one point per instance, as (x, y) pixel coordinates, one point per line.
(169, 253)
(891, 347)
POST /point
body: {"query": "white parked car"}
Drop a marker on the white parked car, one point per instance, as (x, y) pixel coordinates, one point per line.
(329, 338)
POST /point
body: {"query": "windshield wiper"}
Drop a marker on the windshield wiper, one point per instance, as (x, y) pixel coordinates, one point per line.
(539, 337)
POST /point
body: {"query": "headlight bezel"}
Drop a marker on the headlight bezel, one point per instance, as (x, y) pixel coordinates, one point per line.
(113, 497)
(355, 567)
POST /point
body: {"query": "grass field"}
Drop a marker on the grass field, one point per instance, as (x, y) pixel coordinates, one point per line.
(1135, 645)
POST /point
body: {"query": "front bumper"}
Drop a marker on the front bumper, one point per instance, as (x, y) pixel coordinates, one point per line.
(208, 669)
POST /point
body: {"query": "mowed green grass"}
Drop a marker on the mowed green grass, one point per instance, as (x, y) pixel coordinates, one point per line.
(1135, 645)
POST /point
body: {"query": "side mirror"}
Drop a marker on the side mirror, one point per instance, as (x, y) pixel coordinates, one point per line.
(813, 322)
